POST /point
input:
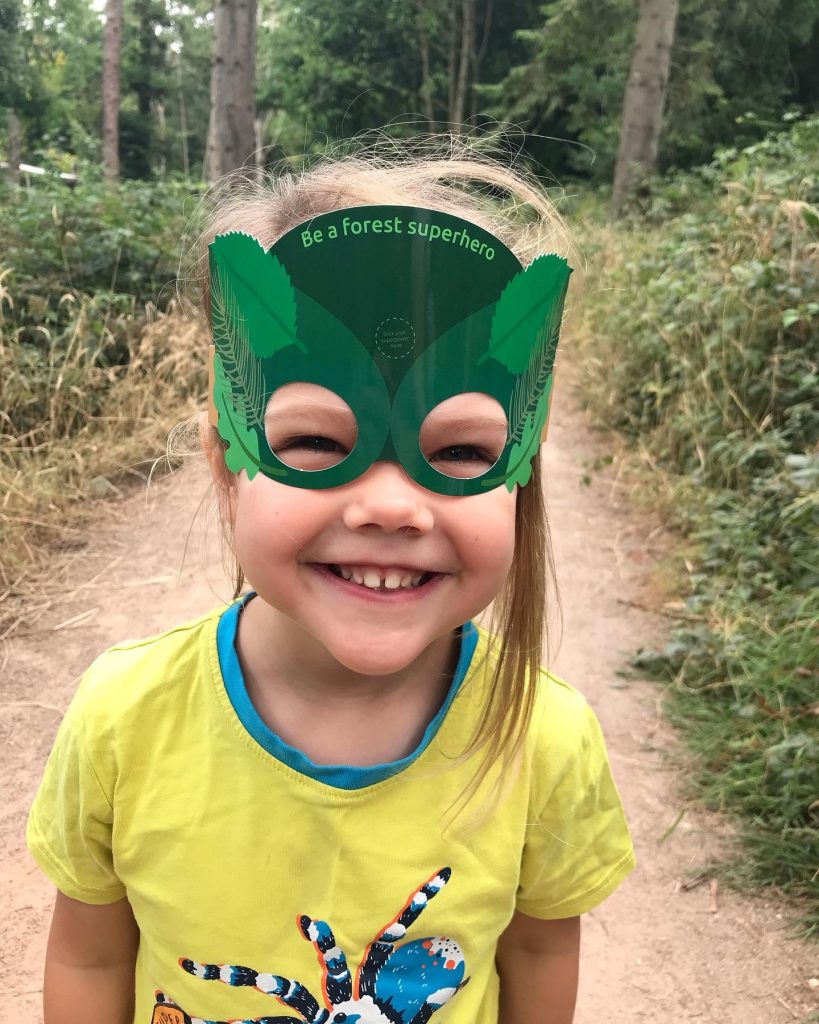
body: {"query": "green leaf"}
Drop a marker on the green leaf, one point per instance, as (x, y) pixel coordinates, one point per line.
(519, 467)
(262, 289)
(243, 443)
(529, 301)
(238, 362)
(530, 385)
(811, 218)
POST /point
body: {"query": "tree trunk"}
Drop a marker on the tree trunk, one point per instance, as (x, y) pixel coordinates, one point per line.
(462, 81)
(645, 98)
(183, 122)
(15, 147)
(452, 65)
(425, 92)
(479, 54)
(111, 48)
(231, 138)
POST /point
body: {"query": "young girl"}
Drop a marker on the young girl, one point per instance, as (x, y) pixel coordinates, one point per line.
(337, 799)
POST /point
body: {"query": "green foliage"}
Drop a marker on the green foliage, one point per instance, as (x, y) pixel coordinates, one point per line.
(570, 84)
(718, 299)
(700, 341)
(735, 67)
(79, 269)
(59, 82)
(334, 68)
(330, 68)
(11, 49)
(51, 75)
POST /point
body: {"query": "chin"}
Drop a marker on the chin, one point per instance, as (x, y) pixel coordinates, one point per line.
(376, 656)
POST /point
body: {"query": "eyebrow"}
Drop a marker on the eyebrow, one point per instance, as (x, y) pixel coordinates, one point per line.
(473, 423)
(306, 406)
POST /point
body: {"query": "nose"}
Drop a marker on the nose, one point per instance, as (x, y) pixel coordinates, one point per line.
(385, 497)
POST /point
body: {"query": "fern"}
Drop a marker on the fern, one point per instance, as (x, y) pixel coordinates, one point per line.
(529, 386)
(242, 369)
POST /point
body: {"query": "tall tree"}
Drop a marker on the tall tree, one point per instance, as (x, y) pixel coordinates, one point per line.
(111, 49)
(645, 97)
(462, 59)
(10, 70)
(232, 133)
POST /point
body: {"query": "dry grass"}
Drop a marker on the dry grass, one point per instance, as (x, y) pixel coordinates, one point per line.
(82, 419)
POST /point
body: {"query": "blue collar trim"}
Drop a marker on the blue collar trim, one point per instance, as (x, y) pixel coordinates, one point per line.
(340, 776)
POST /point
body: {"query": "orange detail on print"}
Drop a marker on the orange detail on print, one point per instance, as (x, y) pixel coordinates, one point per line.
(167, 1015)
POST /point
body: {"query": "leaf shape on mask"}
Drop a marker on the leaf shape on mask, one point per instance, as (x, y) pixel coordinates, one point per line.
(526, 302)
(530, 385)
(263, 291)
(519, 466)
(239, 363)
(243, 443)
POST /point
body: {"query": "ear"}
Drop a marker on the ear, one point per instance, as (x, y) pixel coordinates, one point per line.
(223, 480)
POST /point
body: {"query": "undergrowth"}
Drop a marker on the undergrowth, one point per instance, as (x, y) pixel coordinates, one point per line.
(699, 342)
(96, 361)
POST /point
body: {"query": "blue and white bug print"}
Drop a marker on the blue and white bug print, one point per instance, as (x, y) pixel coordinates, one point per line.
(394, 984)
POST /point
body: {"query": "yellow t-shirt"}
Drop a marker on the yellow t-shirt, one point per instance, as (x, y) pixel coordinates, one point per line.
(308, 899)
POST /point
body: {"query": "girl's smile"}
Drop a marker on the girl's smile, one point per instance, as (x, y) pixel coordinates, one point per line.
(370, 573)
(375, 583)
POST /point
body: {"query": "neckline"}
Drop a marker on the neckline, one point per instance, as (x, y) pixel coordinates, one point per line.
(338, 776)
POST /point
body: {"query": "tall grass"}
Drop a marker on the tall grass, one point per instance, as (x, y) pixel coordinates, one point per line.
(82, 426)
(91, 377)
(699, 341)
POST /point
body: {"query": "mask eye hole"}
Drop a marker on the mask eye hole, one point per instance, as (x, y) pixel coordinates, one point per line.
(464, 436)
(309, 427)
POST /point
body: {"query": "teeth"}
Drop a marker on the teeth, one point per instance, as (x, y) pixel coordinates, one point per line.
(392, 579)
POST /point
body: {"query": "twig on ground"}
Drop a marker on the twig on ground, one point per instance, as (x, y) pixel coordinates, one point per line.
(76, 620)
(712, 896)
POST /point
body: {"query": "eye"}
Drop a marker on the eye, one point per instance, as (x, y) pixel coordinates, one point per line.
(464, 436)
(464, 453)
(310, 443)
(309, 427)
(340, 1017)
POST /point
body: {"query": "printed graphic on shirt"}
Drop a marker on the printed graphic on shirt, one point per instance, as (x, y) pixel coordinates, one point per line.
(393, 984)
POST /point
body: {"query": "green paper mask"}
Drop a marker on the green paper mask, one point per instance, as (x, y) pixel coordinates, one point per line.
(394, 310)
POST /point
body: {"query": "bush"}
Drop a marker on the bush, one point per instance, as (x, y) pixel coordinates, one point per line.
(96, 363)
(699, 339)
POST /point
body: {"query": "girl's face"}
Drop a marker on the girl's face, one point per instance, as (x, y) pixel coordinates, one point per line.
(376, 570)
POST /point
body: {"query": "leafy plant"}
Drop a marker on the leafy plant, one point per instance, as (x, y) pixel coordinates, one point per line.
(699, 342)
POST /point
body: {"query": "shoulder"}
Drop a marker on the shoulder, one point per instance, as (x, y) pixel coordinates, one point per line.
(146, 671)
(563, 729)
(561, 713)
(561, 716)
(563, 723)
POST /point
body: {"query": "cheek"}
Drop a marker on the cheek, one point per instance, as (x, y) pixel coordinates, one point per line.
(271, 520)
(493, 528)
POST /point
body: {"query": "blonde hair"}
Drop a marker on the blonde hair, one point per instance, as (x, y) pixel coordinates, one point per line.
(446, 174)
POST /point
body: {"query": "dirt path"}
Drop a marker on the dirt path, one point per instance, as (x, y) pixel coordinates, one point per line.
(652, 953)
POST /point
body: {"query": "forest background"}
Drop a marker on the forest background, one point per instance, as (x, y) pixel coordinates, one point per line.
(694, 337)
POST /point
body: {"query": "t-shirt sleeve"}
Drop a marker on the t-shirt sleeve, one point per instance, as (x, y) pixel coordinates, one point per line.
(71, 820)
(577, 848)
